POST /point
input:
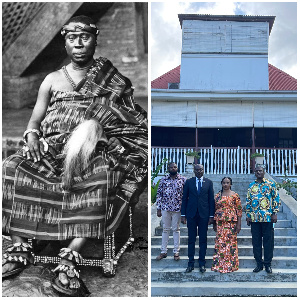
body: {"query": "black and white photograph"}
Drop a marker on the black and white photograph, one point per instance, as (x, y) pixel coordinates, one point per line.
(75, 149)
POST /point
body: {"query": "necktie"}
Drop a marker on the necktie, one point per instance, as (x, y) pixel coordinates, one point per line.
(199, 186)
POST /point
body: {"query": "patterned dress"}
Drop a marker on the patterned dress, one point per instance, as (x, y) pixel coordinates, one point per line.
(228, 209)
(35, 204)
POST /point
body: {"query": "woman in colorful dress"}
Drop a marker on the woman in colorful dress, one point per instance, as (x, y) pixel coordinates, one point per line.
(227, 225)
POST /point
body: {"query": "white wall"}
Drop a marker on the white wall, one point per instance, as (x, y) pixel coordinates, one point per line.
(224, 55)
(224, 114)
(199, 36)
(222, 72)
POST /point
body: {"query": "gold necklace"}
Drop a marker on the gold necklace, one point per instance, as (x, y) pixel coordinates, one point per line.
(83, 68)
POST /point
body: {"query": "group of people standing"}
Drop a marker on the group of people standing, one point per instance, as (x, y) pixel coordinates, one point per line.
(192, 201)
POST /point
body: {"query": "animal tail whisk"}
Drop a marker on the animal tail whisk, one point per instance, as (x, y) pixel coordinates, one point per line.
(79, 149)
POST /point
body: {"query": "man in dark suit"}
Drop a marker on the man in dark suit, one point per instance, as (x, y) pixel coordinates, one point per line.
(197, 209)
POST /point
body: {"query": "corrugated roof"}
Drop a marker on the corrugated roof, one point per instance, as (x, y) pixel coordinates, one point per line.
(281, 81)
(278, 80)
(236, 18)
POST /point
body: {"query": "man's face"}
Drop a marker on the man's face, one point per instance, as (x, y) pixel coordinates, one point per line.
(80, 46)
(259, 173)
(173, 169)
(199, 171)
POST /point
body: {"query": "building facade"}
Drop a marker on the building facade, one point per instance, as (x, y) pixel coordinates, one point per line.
(225, 100)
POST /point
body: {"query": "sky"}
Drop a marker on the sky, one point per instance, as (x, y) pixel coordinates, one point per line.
(166, 34)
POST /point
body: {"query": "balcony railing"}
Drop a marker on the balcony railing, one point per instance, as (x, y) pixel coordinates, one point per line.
(229, 160)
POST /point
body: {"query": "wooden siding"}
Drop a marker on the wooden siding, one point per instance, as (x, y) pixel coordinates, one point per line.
(224, 114)
(225, 37)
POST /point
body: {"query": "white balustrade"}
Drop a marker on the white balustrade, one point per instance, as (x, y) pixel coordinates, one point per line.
(228, 160)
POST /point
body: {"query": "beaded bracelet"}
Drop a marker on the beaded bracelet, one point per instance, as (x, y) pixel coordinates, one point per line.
(31, 130)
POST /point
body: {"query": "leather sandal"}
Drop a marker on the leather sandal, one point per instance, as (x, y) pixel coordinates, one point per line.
(19, 254)
(75, 286)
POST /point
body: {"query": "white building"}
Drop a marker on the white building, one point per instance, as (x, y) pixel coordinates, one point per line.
(225, 101)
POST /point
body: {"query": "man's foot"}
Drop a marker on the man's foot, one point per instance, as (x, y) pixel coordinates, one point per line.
(189, 269)
(258, 269)
(16, 258)
(9, 267)
(268, 269)
(176, 256)
(67, 281)
(161, 256)
(63, 278)
(202, 269)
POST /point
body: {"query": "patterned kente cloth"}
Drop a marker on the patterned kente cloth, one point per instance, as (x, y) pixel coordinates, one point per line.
(228, 208)
(34, 202)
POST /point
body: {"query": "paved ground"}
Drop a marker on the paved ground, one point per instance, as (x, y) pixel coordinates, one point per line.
(131, 278)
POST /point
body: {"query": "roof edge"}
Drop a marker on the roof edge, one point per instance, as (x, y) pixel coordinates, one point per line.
(236, 18)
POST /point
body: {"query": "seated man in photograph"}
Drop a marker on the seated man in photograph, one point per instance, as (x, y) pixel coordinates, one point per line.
(84, 161)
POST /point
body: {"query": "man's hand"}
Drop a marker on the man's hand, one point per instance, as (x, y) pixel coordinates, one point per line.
(248, 221)
(238, 228)
(114, 145)
(183, 219)
(274, 218)
(210, 220)
(158, 213)
(35, 148)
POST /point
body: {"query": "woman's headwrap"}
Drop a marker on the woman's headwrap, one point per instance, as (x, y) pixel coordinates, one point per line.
(79, 26)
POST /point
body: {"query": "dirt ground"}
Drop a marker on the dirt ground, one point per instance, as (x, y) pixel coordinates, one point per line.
(131, 279)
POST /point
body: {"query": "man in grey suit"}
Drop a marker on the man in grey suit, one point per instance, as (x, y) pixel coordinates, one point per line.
(197, 209)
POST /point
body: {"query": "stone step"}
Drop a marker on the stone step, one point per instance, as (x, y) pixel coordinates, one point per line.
(200, 289)
(283, 262)
(279, 224)
(242, 275)
(290, 251)
(242, 240)
(244, 231)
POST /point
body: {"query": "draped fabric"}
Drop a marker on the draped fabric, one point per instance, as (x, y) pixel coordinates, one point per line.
(35, 204)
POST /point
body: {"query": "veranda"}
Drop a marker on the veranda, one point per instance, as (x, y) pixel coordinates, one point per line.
(229, 160)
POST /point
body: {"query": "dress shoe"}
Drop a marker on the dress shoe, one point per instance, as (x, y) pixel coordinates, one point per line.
(202, 269)
(268, 269)
(257, 269)
(189, 269)
(161, 256)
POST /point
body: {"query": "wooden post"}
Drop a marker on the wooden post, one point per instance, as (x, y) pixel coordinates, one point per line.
(253, 148)
(196, 142)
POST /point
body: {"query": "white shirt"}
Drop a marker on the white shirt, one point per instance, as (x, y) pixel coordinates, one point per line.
(197, 180)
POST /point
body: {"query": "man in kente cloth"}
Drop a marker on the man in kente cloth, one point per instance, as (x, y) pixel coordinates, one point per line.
(83, 164)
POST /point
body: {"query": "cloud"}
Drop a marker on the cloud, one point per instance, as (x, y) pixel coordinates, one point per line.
(166, 34)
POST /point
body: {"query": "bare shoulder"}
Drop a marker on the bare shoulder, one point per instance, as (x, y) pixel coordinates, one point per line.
(53, 77)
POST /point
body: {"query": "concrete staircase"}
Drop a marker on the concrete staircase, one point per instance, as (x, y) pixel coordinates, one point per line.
(168, 277)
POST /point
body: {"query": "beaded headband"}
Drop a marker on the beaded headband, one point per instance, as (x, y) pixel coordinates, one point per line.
(78, 26)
